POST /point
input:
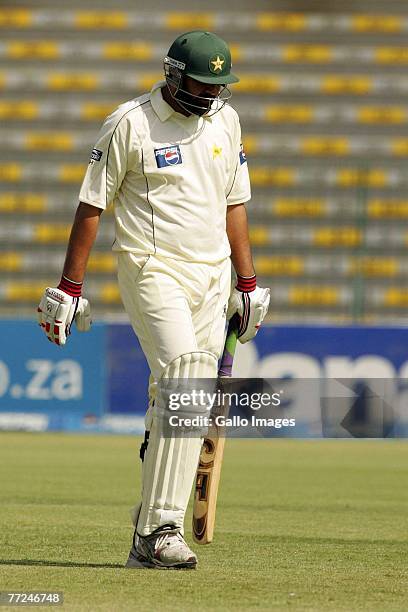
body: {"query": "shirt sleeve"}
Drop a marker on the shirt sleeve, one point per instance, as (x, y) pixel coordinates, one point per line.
(239, 188)
(109, 162)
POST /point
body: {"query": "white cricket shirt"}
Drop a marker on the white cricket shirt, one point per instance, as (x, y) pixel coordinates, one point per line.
(169, 177)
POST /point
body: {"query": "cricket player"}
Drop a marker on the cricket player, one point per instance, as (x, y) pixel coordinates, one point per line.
(172, 164)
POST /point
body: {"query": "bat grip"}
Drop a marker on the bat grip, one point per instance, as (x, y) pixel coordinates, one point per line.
(225, 367)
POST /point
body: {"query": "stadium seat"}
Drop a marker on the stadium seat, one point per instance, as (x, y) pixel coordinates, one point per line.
(10, 261)
(347, 236)
(396, 297)
(22, 203)
(102, 262)
(299, 207)
(387, 209)
(318, 296)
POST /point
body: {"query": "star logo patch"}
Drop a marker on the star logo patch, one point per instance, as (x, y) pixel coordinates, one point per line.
(216, 151)
(216, 63)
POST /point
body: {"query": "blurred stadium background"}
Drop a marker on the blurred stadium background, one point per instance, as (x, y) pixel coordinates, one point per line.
(323, 101)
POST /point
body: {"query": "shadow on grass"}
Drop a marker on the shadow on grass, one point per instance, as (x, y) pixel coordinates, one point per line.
(44, 563)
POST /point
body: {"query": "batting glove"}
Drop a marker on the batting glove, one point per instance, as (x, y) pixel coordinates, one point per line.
(251, 303)
(59, 307)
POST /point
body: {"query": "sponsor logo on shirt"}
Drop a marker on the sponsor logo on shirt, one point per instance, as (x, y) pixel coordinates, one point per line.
(242, 156)
(168, 156)
(96, 155)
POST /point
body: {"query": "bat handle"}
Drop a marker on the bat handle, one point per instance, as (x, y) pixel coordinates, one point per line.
(225, 367)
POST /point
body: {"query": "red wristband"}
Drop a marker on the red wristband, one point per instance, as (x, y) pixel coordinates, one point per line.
(246, 284)
(73, 288)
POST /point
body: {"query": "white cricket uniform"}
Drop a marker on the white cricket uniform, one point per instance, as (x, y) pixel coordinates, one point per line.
(170, 179)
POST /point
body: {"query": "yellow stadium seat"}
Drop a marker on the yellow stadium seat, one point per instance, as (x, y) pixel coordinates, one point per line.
(313, 296)
(382, 114)
(313, 54)
(391, 55)
(258, 83)
(10, 262)
(101, 262)
(374, 266)
(387, 209)
(314, 145)
(22, 202)
(190, 21)
(106, 20)
(19, 18)
(376, 178)
(10, 172)
(337, 236)
(146, 81)
(340, 84)
(96, 110)
(276, 22)
(258, 235)
(41, 49)
(128, 50)
(24, 292)
(396, 297)
(376, 23)
(399, 147)
(279, 177)
(109, 293)
(287, 207)
(51, 232)
(353, 177)
(71, 173)
(18, 110)
(250, 143)
(279, 266)
(289, 113)
(237, 52)
(49, 141)
(60, 81)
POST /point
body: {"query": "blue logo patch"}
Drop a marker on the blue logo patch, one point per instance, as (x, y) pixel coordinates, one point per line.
(242, 156)
(168, 156)
(96, 155)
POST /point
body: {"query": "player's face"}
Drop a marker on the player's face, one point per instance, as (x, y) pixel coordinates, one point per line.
(205, 90)
(198, 96)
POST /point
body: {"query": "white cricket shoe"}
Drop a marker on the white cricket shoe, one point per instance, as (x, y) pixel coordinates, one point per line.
(165, 548)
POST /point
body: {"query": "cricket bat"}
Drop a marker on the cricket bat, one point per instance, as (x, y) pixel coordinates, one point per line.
(209, 465)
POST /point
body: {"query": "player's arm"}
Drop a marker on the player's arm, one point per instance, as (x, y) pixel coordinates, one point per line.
(83, 234)
(237, 231)
(108, 163)
(61, 305)
(247, 299)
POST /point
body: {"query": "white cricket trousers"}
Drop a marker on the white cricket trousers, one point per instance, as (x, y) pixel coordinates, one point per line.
(175, 307)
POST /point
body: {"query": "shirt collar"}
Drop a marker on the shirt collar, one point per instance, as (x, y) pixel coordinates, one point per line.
(162, 109)
(160, 106)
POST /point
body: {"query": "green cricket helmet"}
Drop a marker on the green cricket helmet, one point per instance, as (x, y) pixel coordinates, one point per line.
(203, 56)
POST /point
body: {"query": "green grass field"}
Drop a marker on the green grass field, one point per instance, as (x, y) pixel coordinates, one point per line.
(302, 525)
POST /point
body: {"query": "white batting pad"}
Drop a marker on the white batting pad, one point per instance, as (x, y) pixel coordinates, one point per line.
(170, 461)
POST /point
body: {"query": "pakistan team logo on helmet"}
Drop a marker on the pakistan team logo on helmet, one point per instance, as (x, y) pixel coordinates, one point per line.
(216, 63)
